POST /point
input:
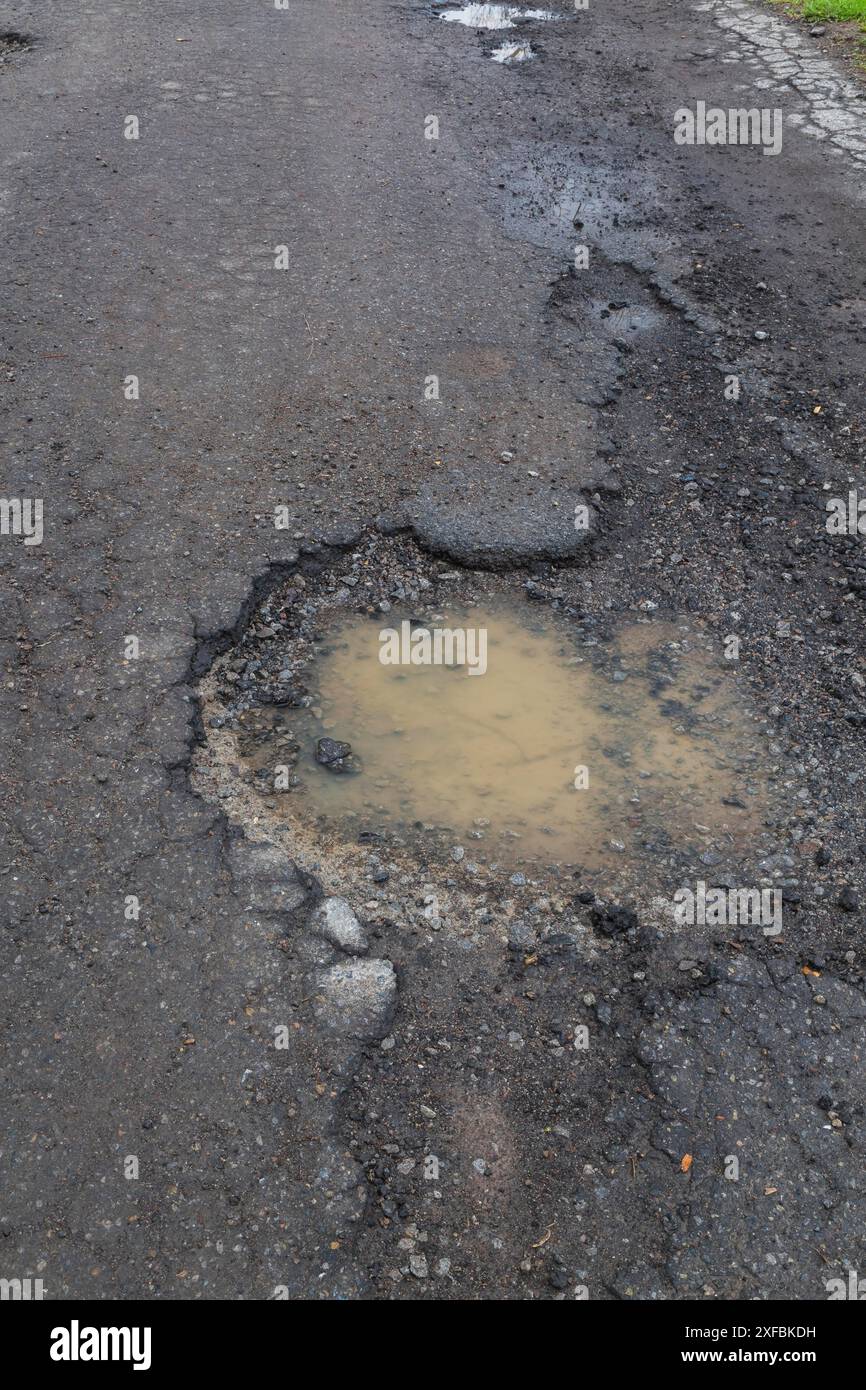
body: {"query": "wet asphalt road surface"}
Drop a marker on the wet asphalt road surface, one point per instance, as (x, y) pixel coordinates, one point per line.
(148, 1032)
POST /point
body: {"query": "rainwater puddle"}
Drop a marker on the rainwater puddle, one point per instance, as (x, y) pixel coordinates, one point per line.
(537, 748)
(493, 16)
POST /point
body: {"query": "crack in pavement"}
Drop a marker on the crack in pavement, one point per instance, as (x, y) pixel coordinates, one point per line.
(788, 61)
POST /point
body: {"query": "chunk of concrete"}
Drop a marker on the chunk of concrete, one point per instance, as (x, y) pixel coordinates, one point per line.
(336, 922)
(495, 518)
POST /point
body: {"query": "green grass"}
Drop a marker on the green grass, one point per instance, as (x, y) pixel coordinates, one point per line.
(834, 9)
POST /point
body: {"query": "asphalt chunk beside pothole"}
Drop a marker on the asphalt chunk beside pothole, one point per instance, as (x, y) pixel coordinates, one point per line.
(502, 517)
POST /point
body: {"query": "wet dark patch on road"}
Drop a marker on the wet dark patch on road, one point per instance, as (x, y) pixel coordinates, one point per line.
(13, 43)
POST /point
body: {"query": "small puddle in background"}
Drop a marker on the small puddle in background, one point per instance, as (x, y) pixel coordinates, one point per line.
(493, 16)
(512, 53)
(670, 748)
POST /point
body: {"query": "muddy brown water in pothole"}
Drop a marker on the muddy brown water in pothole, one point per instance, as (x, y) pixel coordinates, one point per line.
(555, 753)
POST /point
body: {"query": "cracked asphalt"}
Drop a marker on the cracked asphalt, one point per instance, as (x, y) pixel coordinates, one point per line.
(176, 989)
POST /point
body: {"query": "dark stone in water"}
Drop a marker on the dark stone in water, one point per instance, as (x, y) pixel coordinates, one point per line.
(331, 753)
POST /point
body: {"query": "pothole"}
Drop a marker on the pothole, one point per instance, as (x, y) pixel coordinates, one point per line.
(387, 717)
(626, 321)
